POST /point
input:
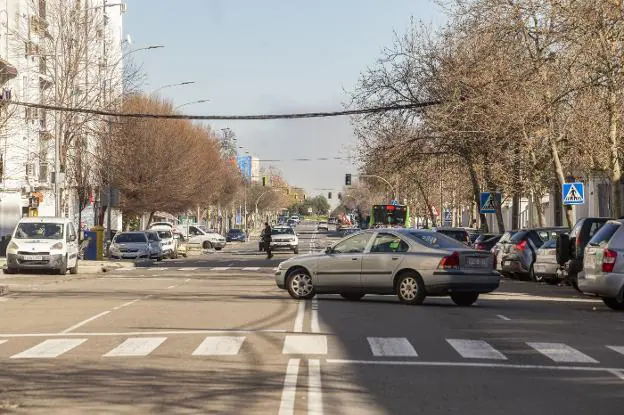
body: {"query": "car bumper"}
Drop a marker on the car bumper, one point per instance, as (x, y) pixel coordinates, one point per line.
(448, 282)
(514, 266)
(218, 244)
(283, 245)
(603, 285)
(128, 255)
(280, 278)
(545, 269)
(48, 262)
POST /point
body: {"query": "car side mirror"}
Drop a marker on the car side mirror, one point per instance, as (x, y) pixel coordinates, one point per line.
(563, 249)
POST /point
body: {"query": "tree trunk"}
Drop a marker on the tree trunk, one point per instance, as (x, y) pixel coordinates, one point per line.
(539, 208)
(616, 170)
(476, 193)
(149, 219)
(427, 203)
(500, 222)
(554, 152)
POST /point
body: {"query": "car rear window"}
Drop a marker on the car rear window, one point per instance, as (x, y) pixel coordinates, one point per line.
(130, 238)
(551, 243)
(436, 240)
(164, 234)
(457, 235)
(604, 234)
(518, 237)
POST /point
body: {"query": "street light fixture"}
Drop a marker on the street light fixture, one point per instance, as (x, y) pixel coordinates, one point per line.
(172, 85)
(201, 101)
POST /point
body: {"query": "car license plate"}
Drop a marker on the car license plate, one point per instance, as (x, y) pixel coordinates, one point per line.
(477, 262)
(33, 257)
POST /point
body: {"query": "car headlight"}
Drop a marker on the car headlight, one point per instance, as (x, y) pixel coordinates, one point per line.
(12, 246)
(58, 245)
(114, 247)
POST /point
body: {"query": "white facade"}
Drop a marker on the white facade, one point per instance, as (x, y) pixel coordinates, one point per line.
(32, 57)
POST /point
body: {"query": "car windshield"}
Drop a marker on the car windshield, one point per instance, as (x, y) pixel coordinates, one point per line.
(165, 234)
(235, 231)
(41, 230)
(130, 238)
(282, 231)
(457, 235)
(436, 240)
(604, 234)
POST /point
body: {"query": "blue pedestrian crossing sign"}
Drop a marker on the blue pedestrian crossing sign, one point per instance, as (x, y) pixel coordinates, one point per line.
(394, 203)
(573, 193)
(489, 201)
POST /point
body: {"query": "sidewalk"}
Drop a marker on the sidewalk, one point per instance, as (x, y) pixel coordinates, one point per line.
(96, 267)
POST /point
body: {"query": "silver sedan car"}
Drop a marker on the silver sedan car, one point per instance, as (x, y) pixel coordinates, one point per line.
(409, 263)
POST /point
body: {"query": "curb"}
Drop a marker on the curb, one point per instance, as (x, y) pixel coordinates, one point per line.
(4, 290)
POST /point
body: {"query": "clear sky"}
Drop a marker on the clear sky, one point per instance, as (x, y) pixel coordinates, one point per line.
(272, 56)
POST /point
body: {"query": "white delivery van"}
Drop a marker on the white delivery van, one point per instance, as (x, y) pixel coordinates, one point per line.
(43, 243)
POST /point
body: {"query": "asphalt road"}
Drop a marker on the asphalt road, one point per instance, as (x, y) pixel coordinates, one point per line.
(212, 334)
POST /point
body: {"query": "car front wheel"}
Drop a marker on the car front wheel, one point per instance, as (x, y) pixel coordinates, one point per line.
(300, 285)
(411, 289)
(464, 299)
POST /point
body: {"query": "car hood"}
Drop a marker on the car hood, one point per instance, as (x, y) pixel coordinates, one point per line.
(301, 260)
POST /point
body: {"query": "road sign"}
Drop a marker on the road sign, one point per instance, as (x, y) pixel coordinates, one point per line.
(489, 202)
(394, 203)
(573, 193)
(447, 215)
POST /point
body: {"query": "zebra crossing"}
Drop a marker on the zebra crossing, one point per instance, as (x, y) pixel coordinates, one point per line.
(190, 269)
(303, 344)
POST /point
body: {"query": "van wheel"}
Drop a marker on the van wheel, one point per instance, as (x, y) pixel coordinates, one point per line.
(63, 268)
(74, 270)
(206, 245)
(10, 270)
(614, 303)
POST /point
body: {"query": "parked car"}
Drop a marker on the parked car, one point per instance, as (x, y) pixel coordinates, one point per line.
(43, 243)
(322, 225)
(408, 263)
(181, 244)
(575, 243)
(604, 265)
(545, 267)
(236, 235)
(519, 253)
(459, 234)
(282, 237)
(291, 223)
(133, 245)
(486, 241)
(156, 248)
(169, 242)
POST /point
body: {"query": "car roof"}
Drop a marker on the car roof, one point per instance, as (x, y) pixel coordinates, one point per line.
(44, 219)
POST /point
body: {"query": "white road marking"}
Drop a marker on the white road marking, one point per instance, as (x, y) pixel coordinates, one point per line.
(3, 341)
(187, 269)
(287, 404)
(139, 333)
(560, 352)
(475, 349)
(158, 269)
(82, 323)
(251, 269)
(305, 344)
(315, 394)
(502, 317)
(231, 265)
(619, 349)
(391, 346)
(187, 280)
(617, 373)
(611, 370)
(219, 346)
(298, 328)
(219, 269)
(171, 286)
(49, 348)
(136, 346)
(126, 304)
(314, 321)
(125, 269)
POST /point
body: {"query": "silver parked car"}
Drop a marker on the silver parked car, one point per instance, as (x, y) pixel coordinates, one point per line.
(545, 267)
(409, 263)
(131, 245)
(604, 265)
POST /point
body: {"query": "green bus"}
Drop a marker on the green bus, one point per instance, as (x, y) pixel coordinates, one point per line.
(389, 215)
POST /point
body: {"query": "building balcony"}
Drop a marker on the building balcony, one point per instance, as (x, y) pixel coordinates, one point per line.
(7, 71)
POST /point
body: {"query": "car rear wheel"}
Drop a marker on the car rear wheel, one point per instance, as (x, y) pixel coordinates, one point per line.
(614, 303)
(300, 285)
(535, 277)
(352, 296)
(411, 289)
(464, 299)
(218, 249)
(206, 245)
(10, 270)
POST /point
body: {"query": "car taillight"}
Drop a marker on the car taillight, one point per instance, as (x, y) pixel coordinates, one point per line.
(608, 260)
(480, 247)
(450, 261)
(521, 246)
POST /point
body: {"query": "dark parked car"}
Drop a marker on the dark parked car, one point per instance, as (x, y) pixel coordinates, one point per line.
(486, 241)
(235, 235)
(575, 242)
(519, 254)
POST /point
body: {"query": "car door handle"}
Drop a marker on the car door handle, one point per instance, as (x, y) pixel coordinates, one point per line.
(394, 258)
(354, 259)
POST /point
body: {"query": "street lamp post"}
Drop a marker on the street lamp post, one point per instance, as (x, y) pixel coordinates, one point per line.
(394, 190)
(201, 101)
(172, 85)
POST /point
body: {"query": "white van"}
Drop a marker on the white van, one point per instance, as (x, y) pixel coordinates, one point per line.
(45, 243)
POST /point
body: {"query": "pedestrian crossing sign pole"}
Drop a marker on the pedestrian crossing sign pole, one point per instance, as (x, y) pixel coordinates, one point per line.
(573, 193)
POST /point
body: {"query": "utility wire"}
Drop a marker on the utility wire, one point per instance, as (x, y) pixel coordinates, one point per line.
(373, 110)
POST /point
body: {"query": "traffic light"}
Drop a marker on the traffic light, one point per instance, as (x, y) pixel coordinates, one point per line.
(263, 180)
(329, 195)
(348, 179)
